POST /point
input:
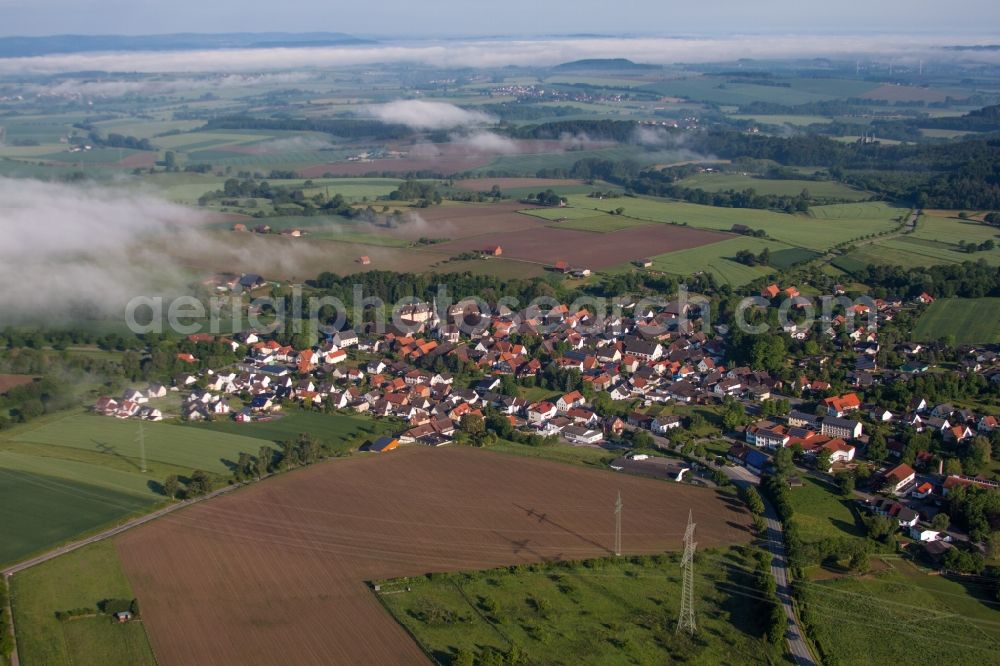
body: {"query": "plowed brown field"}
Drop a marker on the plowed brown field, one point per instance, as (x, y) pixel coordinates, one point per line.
(585, 249)
(275, 573)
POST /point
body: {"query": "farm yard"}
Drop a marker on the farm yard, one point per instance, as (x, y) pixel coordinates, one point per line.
(302, 545)
(967, 320)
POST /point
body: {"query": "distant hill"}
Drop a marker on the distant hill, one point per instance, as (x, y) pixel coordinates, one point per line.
(591, 64)
(12, 47)
(986, 119)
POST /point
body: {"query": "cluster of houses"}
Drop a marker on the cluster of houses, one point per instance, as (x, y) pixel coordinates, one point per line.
(677, 364)
(134, 403)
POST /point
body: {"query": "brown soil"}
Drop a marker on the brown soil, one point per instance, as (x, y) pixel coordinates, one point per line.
(276, 573)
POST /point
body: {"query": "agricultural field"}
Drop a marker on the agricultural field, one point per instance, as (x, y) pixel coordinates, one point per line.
(343, 432)
(600, 224)
(298, 259)
(73, 474)
(176, 446)
(80, 579)
(885, 617)
(947, 228)
(553, 155)
(797, 120)
(824, 189)
(34, 515)
(968, 320)
(719, 90)
(301, 546)
(7, 382)
(823, 228)
(606, 611)
(506, 184)
(719, 260)
(547, 245)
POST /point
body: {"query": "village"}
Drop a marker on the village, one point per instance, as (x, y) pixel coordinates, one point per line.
(598, 388)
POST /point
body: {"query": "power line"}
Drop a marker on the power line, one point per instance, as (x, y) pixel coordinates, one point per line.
(618, 525)
(142, 448)
(686, 620)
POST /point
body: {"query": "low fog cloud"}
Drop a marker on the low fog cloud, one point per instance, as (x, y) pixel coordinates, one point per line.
(72, 249)
(119, 87)
(498, 53)
(486, 142)
(424, 115)
(294, 143)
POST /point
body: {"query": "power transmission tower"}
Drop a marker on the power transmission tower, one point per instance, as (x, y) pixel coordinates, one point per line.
(142, 447)
(618, 525)
(686, 620)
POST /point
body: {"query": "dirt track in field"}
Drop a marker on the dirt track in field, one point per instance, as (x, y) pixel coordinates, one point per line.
(585, 249)
(276, 573)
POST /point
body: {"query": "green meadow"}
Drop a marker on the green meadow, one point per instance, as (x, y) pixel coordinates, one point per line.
(57, 585)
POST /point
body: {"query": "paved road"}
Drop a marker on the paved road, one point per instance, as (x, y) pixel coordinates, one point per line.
(797, 645)
(100, 536)
(779, 569)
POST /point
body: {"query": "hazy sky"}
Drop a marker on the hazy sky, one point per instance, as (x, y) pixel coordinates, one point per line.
(417, 18)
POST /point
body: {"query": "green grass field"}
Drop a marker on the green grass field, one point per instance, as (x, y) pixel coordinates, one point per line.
(343, 431)
(177, 446)
(80, 579)
(587, 456)
(789, 257)
(608, 611)
(969, 320)
(825, 189)
(600, 224)
(530, 164)
(718, 259)
(888, 617)
(951, 230)
(821, 513)
(825, 227)
(39, 511)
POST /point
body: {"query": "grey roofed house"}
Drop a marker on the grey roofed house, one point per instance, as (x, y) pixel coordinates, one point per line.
(645, 348)
(797, 418)
(251, 281)
(839, 423)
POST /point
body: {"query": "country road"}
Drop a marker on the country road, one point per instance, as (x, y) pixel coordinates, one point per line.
(797, 645)
(100, 536)
(779, 569)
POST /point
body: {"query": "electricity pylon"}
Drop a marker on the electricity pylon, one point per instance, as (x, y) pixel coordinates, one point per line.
(686, 620)
(142, 447)
(618, 525)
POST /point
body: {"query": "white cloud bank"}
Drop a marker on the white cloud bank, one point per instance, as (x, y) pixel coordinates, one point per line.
(424, 115)
(496, 53)
(75, 249)
(71, 247)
